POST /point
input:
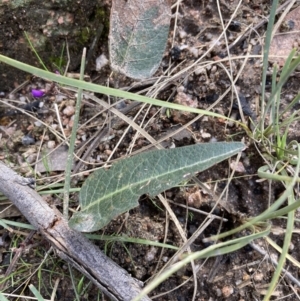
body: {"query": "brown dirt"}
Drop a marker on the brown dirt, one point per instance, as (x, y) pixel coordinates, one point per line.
(241, 275)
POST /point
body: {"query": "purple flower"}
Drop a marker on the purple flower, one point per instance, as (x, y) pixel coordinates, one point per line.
(37, 93)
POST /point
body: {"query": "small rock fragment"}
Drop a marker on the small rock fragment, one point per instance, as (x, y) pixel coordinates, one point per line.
(237, 166)
(101, 61)
(258, 277)
(69, 110)
(182, 34)
(27, 140)
(51, 144)
(227, 291)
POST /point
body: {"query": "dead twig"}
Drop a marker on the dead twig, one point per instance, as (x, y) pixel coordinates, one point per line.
(69, 244)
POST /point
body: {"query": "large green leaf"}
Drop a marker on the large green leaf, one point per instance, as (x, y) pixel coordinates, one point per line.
(138, 36)
(108, 193)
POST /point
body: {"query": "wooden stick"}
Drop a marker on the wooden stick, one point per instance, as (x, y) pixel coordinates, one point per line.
(70, 245)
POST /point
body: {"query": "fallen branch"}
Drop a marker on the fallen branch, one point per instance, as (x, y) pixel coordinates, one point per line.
(69, 244)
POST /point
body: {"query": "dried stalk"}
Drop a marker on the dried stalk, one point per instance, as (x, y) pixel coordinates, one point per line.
(69, 244)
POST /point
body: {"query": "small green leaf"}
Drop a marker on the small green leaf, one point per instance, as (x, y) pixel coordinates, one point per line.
(138, 36)
(36, 293)
(108, 193)
(2, 297)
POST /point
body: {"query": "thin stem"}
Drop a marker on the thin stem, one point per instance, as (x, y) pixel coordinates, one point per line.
(72, 142)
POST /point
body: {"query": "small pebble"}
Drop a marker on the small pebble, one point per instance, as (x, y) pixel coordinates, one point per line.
(218, 292)
(27, 140)
(24, 168)
(150, 255)
(51, 144)
(227, 291)
(101, 61)
(182, 34)
(238, 167)
(71, 122)
(59, 98)
(246, 277)
(92, 160)
(258, 277)
(31, 158)
(246, 161)
(194, 51)
(205, 135)
(208, 36)
(121, 105)
(108, 152)
(37, 123)
(65, 121)
(214, 69)
(180, 89)
(199, 71)
(184, 46)
(69, 110)
(212, 86)
(274, 256)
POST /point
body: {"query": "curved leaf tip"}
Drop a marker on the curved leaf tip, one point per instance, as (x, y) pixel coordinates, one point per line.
(109, 193)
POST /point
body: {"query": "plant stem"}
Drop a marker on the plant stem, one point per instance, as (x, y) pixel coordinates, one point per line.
(72, 142)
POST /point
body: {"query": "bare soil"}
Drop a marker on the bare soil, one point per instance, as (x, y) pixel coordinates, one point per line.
(241, 275)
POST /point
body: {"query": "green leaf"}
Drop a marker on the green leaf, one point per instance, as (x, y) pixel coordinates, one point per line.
(36, 293)
(138, 36)
(108, 193)
(2, 297)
